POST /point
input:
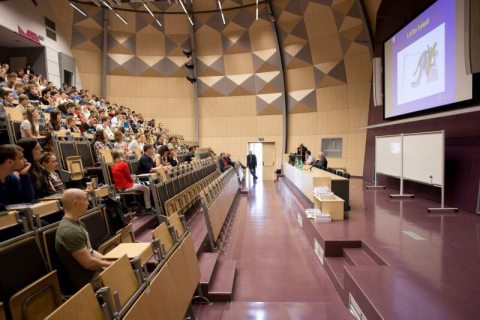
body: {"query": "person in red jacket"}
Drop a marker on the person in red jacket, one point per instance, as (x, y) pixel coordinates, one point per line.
(123, 180)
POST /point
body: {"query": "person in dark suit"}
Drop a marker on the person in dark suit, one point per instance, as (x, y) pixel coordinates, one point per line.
(322, 162)
(301, 151)
(223, 163)
(252, 164)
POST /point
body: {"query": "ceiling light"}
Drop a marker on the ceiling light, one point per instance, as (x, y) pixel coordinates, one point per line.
(111, 2)
(78, 9)
(97, 3)
(120, 17)
(186, 12)
(151, 13)
(221, 11)
(256, 11)
(119, 2)
(106, 5)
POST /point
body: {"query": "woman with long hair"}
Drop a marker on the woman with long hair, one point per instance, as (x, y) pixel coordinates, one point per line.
(161, 158)
(100, 143)
(71, 125)
(50, 182)
(32, 151)
(172, 158)
(119, 141)
(30, 127)
(123, 181)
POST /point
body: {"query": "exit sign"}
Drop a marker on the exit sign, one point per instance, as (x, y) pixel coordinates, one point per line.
(261, 139)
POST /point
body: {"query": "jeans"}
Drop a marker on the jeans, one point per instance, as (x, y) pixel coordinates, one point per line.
(252, 171)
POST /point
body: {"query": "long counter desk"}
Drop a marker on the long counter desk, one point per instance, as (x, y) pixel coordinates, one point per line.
(307, 180)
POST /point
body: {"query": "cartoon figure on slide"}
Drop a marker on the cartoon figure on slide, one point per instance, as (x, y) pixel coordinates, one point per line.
(427, 64)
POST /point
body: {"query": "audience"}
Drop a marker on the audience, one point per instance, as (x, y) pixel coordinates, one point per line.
(120, 143)
(78, 261)
(137, 143)
(30, 127)
(100, 143)
(190, 155)
(123, 180)
(146, 164)
(223, 163)
(14, 187)
(71, 125)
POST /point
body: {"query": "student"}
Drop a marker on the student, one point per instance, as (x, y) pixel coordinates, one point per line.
(30, 127)
(173, 158)
(54, 123)
(78, 261)
(123, 180)
(23, 103)
(222, 161)
(14, 188)
(18, 89)
(310, 160)
(100, 143)
(71, 125)
(137, 143)
(190, 155)
(33, 153)
(146, 164)
(33, 92)
(10, 81)
(50, 182)
(7, 99)
(105, 127)
(161, 158)
(90, 125)
(119, 141)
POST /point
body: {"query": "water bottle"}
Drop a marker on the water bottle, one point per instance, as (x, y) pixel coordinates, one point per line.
(196, 154)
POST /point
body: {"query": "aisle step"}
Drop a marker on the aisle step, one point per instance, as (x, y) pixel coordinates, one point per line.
(208, 262)
(143, 223)
(334, 266)
(358, 257)
(222, 287)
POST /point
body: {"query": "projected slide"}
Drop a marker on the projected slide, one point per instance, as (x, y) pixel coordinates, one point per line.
(421, 67)
(425, 61)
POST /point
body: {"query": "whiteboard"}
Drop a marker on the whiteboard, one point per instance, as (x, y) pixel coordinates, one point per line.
(424, 156)
(388, 155)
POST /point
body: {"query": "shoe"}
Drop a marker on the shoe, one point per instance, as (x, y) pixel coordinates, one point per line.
(150, 211)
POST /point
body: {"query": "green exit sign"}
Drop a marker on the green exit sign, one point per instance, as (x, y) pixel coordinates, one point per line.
(41, 38)
(261, 139)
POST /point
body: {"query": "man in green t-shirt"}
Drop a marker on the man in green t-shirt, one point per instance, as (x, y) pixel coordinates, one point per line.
(79, 261)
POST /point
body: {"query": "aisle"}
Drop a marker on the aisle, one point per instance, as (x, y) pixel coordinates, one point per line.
(278, 274)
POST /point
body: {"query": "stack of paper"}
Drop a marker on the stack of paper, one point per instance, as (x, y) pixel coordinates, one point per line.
(312, 212)
(324, 193)
(323, 218)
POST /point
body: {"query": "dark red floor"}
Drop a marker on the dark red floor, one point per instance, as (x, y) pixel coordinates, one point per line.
(278, 274)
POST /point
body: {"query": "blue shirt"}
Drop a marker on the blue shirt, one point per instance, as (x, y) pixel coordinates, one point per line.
(16, 190)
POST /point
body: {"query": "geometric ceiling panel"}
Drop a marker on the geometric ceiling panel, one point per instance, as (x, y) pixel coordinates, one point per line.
(240, 85)
(266, 60)
(210, 66)
(121, 42)
(268, 104)
(329, 74)
(211, 86)
(297, 56)
(175, 44)
(236, 42)
(268, 82)
(302, 101)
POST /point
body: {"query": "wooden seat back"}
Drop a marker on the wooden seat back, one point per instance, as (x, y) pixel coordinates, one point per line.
(174, 220)
(83, 305)
(163, 234)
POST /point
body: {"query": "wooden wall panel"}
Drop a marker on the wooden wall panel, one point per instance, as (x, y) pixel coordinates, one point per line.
(302, 124)
(88, 61)
(359, 67)
(359, 94)
(212, 107)
(121, 86)
(332, 98)
(299, 79)
(326, 49)
(323, 17)
(357, 117)
(240, 63)
(179, 88)
(241, 106)
(93, 82)
(155, 87)
(150, 44)
(333, 122)
(262, 38)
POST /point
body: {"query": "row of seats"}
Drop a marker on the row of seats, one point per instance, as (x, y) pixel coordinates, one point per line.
(29, 281)
(219, 195)
(339, 173)
(166, 293)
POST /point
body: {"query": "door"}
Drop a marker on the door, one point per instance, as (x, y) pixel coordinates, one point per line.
(268, 152)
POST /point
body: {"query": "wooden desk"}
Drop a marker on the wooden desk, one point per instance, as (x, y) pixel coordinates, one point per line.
(334, 207)
(56, 196)
(142, 250)
(307, 180)
(41, 208)
(101, 192)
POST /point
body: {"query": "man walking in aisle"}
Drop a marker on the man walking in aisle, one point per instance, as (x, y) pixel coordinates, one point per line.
(252, 164)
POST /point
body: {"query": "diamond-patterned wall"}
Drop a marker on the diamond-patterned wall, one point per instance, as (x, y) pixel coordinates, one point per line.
(327, 75)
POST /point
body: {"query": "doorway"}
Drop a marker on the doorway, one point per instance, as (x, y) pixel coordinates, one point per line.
(265, 153)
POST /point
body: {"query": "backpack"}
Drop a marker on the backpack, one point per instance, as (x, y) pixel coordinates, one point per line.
(116, 214)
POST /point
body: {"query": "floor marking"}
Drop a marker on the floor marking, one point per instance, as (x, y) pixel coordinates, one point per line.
(413, 235)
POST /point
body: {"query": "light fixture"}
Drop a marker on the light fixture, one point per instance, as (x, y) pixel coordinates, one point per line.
(106, 5)
(189, 65)
(111, 2)
(119, 2)
(151, 13)
(97, 3)
(120, 17)
(221, 11)
(186, 12)
(187, 53)
(256, 11)
(77, 8)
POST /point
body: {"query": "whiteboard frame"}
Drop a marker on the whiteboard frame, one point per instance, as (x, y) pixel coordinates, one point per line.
(376, 155)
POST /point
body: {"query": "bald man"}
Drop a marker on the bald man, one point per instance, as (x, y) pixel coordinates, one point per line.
(322, 162)
(80, 263)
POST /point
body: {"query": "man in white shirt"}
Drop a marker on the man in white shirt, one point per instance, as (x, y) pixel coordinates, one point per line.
(114, 120)
(309, 158)
(105, 126)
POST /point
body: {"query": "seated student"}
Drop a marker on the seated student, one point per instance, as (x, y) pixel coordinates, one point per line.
(33, 94)
(119, 141)
(123, 180)
(45, 99)
(30, 127)
(18, 90)
(310, 160)
(71, 125)
(23, 103)
(90, 125)
(173, 158)
(78, 261)
(32, 151)
(161, 158)
(223, 163)
(160, 141)
(190, 155)
(7, 99)
(63, 97)
(10, 81)
(146, 164)
(137, 143)
(78, 113)
(14, 187)
(105, 127)
(100, 143)
(50, 182)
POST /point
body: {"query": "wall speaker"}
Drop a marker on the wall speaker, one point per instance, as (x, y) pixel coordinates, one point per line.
(377, 82)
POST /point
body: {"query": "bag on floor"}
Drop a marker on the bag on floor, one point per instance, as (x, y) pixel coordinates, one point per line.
(116, 214)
